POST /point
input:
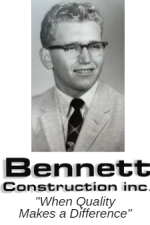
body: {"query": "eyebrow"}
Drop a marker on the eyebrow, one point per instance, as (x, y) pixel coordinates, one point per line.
(78, 43)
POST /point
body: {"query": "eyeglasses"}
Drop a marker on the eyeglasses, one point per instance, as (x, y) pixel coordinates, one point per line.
(74, 50)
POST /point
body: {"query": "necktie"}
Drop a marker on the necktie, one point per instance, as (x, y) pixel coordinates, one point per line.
(74, 124)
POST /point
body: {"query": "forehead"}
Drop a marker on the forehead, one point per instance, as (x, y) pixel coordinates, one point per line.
(81, 32)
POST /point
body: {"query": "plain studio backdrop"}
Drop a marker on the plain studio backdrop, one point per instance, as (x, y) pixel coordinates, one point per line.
(113, 69)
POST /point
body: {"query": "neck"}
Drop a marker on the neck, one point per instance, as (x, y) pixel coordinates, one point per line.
(72, 93)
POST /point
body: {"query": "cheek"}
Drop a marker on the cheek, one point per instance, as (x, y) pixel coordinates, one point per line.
(99, 62)
(60, 61)
(66, 66)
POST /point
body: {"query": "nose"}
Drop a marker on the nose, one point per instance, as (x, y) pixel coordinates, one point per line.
(84, 57)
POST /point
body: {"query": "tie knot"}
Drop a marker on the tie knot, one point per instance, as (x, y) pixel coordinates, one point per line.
(77, 103)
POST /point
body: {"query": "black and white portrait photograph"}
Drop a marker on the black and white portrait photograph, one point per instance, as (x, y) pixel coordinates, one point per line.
(77, 76)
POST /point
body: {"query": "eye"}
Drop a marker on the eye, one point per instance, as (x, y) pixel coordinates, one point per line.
(70, 47)
(96, 46)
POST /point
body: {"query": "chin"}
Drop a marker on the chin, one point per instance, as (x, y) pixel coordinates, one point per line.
(85, 88)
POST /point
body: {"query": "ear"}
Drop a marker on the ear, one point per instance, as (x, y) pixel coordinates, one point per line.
(46, 58)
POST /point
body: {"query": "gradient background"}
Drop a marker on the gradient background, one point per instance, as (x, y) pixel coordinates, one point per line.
(113, 69)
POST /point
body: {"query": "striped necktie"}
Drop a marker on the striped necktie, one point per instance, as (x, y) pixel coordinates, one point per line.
(74, 124)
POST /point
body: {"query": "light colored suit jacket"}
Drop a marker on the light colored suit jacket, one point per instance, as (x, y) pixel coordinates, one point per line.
(102, 130)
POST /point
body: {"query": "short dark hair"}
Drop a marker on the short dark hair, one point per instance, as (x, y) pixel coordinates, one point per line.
(70, 11)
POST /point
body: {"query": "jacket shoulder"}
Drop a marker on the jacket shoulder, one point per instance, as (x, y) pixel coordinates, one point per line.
(39, 100)
(116, 98)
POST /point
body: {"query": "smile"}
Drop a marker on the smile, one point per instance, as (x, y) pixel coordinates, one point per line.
(83, 71)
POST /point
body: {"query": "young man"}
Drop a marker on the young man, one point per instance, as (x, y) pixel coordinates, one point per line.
(81, 113)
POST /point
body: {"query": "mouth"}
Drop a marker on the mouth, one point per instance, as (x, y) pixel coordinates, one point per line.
(84, 71)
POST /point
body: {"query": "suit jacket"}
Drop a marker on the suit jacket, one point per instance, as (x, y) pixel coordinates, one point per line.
(102, 130)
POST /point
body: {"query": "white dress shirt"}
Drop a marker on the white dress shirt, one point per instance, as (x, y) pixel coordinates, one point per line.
(66, 111)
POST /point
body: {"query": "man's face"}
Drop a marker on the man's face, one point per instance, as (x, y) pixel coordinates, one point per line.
(76, 76)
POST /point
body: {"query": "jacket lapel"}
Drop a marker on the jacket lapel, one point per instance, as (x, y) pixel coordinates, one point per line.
(96, 119)
(52, 123)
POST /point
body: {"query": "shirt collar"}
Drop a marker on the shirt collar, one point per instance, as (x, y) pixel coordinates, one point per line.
(65, 100)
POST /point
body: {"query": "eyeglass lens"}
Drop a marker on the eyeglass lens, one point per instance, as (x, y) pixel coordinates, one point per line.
(95, 49)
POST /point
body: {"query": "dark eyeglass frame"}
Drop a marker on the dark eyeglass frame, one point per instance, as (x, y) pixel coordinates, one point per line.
(65, 47)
